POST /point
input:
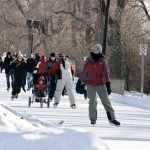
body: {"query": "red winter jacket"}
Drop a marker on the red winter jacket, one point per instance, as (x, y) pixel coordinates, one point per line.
(60, 71)
(94, 73)
(42, 64)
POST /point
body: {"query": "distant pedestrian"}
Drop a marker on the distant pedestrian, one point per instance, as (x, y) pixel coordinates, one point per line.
(37, 57)
(9, 72)
(20, 68)
(95, 76)
(3, 56)
(40, 69)
(31, 64)
(53, 77)
(1, 64)
(41, 65)
(65, 74)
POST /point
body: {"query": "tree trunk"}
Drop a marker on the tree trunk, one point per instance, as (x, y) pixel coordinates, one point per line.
(116, 65)
(44, 38)
(99, 24)
(74, 26)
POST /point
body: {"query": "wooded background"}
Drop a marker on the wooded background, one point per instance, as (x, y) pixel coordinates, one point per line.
(74, 26)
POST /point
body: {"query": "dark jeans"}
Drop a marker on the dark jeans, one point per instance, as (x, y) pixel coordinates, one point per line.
(85, 94)
(8, 76)
(18, 83)
(52, 88)
(1, 67)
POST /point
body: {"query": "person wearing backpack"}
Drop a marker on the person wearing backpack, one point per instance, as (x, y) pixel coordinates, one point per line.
(81, 88)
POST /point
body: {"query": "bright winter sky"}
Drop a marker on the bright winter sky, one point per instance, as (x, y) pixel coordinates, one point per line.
(35, 128)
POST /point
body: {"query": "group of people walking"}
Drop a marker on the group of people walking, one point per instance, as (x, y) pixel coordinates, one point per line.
(60, 72)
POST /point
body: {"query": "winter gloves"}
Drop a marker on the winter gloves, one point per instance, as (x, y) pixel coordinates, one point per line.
(108, 87)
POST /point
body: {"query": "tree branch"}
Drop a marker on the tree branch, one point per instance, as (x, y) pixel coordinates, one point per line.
(145, 9)
(20, 8)
(70, 13)
(9, 22)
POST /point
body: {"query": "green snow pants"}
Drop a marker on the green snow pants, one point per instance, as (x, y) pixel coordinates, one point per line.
(102, 93)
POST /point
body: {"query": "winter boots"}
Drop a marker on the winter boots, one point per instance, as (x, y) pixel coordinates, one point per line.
(73, 106)
(114, 122)
(14, 96)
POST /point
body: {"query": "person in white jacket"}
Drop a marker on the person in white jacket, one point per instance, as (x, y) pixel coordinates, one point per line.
(65, 75)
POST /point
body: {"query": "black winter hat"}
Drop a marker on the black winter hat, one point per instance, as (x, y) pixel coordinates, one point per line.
(8, 53)
(52, 54)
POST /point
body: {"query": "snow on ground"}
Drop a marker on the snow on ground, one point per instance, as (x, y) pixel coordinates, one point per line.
(24, 128)
(20, 132)
(132, 99)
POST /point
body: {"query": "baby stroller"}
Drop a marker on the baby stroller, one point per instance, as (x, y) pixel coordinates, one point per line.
(40, 91)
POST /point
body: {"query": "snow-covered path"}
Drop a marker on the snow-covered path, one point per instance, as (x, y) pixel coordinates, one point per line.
(133, 134)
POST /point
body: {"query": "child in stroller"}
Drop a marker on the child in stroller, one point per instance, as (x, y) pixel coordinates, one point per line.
(40, 91)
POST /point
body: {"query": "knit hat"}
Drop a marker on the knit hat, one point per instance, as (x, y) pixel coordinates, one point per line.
(61, 55)
(8, 53)
(19, 55)
(98, 47)
(52, 54)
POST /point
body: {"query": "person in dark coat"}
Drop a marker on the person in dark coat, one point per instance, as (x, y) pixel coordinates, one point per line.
(1, 64)
(20, 68)
(95, 75)
(53, 77)
(37, 57)
(9, 72)
(31, 64)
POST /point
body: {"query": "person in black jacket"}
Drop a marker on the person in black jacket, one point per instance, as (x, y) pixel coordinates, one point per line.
(20, 68)
(53, 78)
(9, 73)
(37, 57)
(1, 64)
(31, 64)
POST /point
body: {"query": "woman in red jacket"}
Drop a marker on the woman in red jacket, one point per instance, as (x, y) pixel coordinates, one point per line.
(40, 70)
(41, 65)
(95, 76)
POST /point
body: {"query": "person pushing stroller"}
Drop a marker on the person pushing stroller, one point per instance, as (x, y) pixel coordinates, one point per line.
(53, 77)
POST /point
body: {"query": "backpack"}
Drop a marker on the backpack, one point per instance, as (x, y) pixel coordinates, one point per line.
(80, 87)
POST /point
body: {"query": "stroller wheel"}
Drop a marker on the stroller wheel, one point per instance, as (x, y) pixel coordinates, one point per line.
(41, 104)
(29, 102)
